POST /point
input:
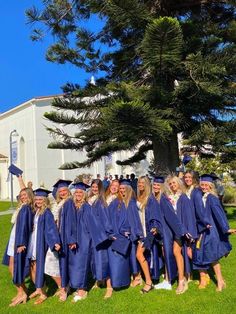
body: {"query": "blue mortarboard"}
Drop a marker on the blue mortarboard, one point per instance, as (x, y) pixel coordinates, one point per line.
(158, 179)
(62, 183)
(206, 177)
(81, 186)
(186, 159)
(125, 182)
(41, 192)
(121, 245)
(15, 170)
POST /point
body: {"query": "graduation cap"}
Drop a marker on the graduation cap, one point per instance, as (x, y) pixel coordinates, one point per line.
(206, 178)
(15, 170)
(186, 159)
(121, 245)
(158, 179)
(125, 182)
(41, 192)
(62, 183)
(81, 186)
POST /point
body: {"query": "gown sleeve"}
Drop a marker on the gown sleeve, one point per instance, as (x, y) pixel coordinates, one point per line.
(219, 214)
(71, 236)
(51, 231)
(24, 226)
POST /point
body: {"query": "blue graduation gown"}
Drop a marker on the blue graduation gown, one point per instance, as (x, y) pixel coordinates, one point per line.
(67, 231)
(47, 236)
(215, 240)
(24, 226)
(135, 235)
(154, 219)
(100, 230)
(79, 259)
(186, 214)
(118, 263)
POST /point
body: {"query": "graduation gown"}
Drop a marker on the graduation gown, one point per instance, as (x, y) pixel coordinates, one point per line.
(47, 237)
(214, 242)
(67, 231)
(153, 219)
(172, 229)
(118, 262)
(136, 234)
(99, 228)
(79, 259)
(24, 226)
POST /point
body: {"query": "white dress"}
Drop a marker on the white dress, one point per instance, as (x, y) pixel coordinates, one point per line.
(142, 218)
(51, 267)
(11, 243)
(33, 240)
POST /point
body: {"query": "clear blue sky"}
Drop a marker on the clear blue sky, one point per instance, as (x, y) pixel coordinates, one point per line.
(24, 71)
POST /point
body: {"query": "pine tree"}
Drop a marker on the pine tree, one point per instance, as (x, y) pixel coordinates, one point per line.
(167, 67)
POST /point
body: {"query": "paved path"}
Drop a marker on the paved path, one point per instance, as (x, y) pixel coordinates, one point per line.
(7, 212)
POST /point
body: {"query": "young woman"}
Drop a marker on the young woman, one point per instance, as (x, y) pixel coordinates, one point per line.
(136, 233)
(172, 229)
(194, 193)
(100, 230)
(118, 251)
(64, 213)
(184, 210)
(151, 218)
(79, 259)
(44, 235)
(213, 243)
(16, 251)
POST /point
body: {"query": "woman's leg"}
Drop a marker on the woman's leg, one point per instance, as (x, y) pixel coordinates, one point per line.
(182, 285)
(220, 280)
(109, 289)
(144, 265)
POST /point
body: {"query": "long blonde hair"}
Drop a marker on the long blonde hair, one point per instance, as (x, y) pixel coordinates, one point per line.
(30, 195)
(212, 189)
(107, 193)
(162, 189)
(129, 193)
(144, 196)
(58, 198)
(79, 204)
(45, 205)
(180, 183)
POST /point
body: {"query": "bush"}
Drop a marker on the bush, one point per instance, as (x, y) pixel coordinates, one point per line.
(230, 195)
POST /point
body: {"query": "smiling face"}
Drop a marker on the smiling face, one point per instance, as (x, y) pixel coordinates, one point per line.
(141, 185)
(114, 187)
(38, 201)
(173, 185)
(63, 192)
(95, 189)
(156, 187)
(122, 190)
(188, 179)
(79, 195)
(24, 197)
(205, 186)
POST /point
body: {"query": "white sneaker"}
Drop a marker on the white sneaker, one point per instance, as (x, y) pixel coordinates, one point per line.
(79, 298)
(163, 285)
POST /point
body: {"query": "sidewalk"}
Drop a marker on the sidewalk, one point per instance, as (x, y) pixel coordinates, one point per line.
(7, 212)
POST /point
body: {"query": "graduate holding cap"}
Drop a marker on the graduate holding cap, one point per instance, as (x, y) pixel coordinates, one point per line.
(118, 252)
(16, 251)
(214, 241)
(44, 235)
(79, 259)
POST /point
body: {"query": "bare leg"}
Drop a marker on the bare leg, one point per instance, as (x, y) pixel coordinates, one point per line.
(144, 265)
(220, 280)
(182, 285)
(109, 289)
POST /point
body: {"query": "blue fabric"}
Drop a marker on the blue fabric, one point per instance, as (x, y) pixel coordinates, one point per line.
(119, 263)
(24, 226)
(47, 236)
(215, 240)
(67, 231)
(79, 259)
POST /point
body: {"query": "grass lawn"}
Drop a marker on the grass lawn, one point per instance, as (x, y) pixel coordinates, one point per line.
(5, 205)
(130, 300)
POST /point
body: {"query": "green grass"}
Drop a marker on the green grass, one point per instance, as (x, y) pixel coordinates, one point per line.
(130, 300)
(5, 206)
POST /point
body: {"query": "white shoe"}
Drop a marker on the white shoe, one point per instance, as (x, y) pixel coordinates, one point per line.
(79, 298)
(163, 285)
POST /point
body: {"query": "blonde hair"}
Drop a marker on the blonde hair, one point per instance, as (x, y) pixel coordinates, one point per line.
(79, 204)
(129, 193)
(180, 183)
(212, 189)
(108, 192)
(44, 206)
(162, 189)
(58, 198)
(144, 196)
(30, 195)
(194, 178)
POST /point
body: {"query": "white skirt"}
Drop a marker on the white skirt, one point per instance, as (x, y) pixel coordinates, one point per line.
(51, 267)
(11, 244)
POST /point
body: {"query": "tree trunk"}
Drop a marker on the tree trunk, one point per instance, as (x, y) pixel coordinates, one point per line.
(166, 155)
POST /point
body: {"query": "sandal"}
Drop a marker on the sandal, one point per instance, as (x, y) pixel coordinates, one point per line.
(21, 299)
(78, 297)
(143, 291)
(182, 286)
(136, 282)
(41, 299)
(108, 293)
(34, 294)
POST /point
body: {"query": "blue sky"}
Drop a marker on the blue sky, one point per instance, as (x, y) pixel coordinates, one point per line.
(24, 71)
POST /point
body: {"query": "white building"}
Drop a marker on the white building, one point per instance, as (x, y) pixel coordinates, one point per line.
(30, 152)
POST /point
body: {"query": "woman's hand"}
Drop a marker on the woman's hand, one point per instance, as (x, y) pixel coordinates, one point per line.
(72, 246)
(21, 249)
(57, 247)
